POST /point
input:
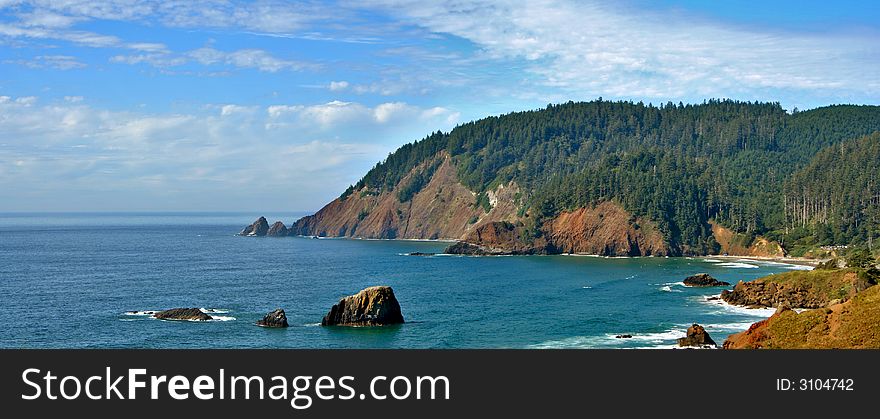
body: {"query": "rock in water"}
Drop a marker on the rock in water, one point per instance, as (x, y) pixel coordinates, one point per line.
(258, 228)
(697, 337)
(277, 230)
(374, 306)
(704, 280)
(182, 314)
(464, 248)
(275, 318)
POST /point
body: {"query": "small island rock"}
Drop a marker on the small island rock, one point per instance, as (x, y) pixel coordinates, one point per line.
(704, 280)
(278, 230)
(182, 314)
(258, 228)
(373, 306)
(275, 318)
(698, 337)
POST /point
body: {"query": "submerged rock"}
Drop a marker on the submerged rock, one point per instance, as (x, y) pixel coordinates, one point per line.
(275, 318)
(698, 337)
(373, 306)
(258, 228)
(704, 280)
(182, 314)
(277, 230)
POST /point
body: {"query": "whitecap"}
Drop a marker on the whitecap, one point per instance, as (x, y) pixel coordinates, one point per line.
(654, 340)
(221, 318)
(213, 310)
(712, 260)
(737, 265)
(141, 312)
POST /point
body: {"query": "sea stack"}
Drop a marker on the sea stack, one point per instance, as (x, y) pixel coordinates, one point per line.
(191, 314)
(704, 280)
(275, 318)
(277, 230)
(258, 228)
(373, 306)
(697, 337)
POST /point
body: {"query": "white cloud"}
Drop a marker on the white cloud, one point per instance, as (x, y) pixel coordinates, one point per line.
(59, 62)
(228, 157)
(336, 86)
(243, 58)
(335, 112)
(589, 48)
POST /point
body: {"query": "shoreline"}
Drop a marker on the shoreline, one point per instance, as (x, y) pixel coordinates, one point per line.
(788, 260)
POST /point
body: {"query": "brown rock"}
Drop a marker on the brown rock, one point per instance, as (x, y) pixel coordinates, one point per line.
(275, 318)
(373, 306)
(182, 314)
(697, 337)
(258, 228)
(704, 280)
(277, 230)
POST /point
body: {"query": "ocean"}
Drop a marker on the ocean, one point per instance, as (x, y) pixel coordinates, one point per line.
(70, 280)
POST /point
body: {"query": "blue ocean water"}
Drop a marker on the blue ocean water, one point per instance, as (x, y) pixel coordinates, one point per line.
(68, 281)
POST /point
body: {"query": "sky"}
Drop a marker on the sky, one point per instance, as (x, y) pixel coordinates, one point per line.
(141, 105)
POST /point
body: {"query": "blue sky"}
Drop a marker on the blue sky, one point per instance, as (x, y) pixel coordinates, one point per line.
(274, 106)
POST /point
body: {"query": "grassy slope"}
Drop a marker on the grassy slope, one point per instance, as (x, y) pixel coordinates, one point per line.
(853, 324)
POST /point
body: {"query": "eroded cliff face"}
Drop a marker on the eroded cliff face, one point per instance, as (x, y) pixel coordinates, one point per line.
(732, 244)
(606, 229)
(442, 209)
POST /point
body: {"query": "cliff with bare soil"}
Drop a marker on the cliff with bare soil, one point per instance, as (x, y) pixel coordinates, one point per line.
(442, 209)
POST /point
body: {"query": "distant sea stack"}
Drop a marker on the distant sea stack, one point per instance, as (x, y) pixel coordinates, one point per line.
(277, 230)
(261, 228)
(191, 314)
(373, 306)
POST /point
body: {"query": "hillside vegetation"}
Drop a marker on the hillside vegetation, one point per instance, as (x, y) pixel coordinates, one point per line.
(797, 179)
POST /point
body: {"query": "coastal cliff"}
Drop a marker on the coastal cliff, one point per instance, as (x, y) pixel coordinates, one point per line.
(442, 209)
(619, 179)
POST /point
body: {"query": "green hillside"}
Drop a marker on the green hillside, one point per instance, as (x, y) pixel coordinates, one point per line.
(739, 163)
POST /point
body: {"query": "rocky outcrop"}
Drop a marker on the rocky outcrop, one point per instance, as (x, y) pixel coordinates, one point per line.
(848, 325)
(697, 337)
(275, 318)
(373, 306)
(798, 289)
(704, 280)
(497, 238)
(277, 230)
(191, 314)
(258, 228)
